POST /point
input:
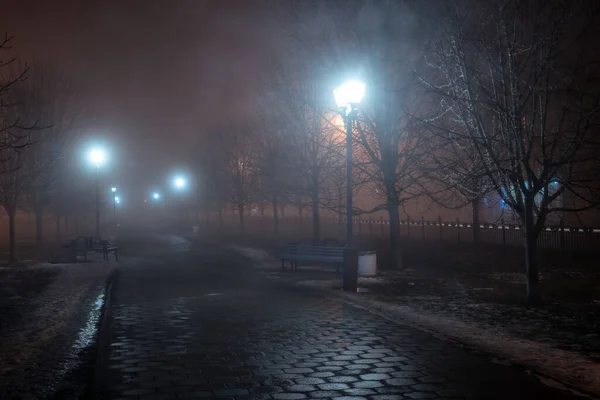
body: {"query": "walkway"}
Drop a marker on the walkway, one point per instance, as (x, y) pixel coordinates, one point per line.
(195, 321)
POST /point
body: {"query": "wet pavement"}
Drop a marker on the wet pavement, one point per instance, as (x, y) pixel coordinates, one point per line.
(191, 321)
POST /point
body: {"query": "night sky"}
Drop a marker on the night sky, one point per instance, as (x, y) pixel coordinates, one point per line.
(154, 75)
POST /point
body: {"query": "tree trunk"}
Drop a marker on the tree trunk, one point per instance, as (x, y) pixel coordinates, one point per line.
(39, 237)
(340, 205)
(316, 223)
(394, 238)
(531, 256)
(301, 213)
(275, 214)
(241, 215)
(12, 255)
(67, 223)
(221, 218)
(206, 217)
(282, 211)
(58, 228)
(476, 221)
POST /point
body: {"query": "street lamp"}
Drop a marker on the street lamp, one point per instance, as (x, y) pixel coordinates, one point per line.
(179, 182)
(114, 191)
(348, 96)
(156, 196)
(97, 157)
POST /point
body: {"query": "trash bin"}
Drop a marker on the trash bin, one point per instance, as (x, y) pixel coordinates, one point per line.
(367, 263)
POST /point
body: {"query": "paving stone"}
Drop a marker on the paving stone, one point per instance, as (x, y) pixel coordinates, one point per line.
(333, 386)
(367, 384)
(300, 388)
(324, 374)
(231, 392)
(420, 395)
(288, 396)
(359, 392)
(309, 381)
(399, 382)
(374, 377)
(350, 398)
(342, 379)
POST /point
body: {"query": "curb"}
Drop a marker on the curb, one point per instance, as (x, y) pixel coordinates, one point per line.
(93, 389)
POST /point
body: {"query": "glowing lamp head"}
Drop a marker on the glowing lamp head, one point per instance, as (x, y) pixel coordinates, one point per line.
(179, 183)
(97, 157)
(351, 92)
(156, 196)
(114, 189)
(117, 200)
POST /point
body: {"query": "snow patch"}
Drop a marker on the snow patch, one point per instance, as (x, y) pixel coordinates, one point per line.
(565, 366)
(53, 310)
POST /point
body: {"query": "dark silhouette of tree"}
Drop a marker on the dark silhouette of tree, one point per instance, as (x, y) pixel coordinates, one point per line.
(518, 83)
(48, 100)
(13, 138)
(394, 146)
(237, 148)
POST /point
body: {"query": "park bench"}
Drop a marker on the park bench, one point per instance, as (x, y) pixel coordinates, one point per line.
(303, 251)
(83, 245)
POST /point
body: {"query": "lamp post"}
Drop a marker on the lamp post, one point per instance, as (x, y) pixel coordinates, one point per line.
(347, 97)
(114, 195)
(180, 183)
(97, 157)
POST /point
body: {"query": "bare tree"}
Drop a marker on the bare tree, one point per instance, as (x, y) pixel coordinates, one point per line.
(47, 99)
(453, 169)
(272, 142)
(518, 82)
(315, 151)
(393, 147)
(211, 169)
(238, 149)
(13, 138)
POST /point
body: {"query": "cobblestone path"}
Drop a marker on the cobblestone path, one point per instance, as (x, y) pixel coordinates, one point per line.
(192, 321)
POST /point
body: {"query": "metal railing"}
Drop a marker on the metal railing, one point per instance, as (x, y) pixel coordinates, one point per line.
(558, 237)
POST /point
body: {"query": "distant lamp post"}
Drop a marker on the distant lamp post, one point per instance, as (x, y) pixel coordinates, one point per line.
(114, 191)
(347, 97)
(180, 184)
(97, 157)
(155, 196)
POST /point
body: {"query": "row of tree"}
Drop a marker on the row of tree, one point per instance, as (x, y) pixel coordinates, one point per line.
(465, 98)
(38, 112)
